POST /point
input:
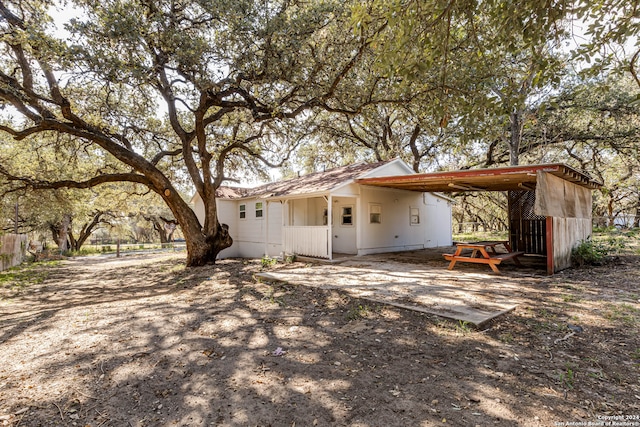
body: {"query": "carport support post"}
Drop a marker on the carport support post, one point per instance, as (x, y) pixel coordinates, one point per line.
(549, 233)
(359, 223)
(266, 223)
(283, 223)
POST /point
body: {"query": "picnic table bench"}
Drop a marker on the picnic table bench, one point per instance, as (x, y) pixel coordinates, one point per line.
(483, 253)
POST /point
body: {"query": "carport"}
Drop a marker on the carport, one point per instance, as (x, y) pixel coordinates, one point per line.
(549, 205)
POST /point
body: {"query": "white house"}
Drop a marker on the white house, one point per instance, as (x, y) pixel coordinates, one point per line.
(327, 213)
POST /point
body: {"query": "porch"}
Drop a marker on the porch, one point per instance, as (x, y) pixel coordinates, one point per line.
(319, 227)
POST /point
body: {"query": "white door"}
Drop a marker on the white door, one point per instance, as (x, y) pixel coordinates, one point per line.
(344, 228)
(438, 224)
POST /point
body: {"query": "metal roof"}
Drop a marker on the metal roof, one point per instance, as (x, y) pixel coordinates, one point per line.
(313, 183)
(494, 179)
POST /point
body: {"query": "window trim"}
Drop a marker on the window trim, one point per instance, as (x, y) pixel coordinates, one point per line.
(412, 215)
(375, 209)
(343, 215)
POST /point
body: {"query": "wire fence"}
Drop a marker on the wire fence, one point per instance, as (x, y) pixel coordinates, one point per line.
(621, 222)
(475, 227)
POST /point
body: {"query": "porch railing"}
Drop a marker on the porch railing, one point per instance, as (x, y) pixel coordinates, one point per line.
(307, 240)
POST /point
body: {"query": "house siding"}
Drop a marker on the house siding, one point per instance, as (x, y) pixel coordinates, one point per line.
(227, 214)
(392, 230)
(251, 232)
(395, 231)
(349, 190)
(390, 169)
(275, 229)
(438, 232)
(248, 234)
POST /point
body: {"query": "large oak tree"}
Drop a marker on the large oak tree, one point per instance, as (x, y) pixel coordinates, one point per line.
(467, 63)
(235, 81)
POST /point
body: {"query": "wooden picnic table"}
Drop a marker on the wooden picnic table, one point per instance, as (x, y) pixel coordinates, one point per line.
(483, 253)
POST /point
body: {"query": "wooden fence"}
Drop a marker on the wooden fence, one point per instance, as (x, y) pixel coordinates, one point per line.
(13, 248)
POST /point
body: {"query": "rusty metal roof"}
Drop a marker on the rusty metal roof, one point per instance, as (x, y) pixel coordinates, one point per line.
(494, 179)
(317, 182)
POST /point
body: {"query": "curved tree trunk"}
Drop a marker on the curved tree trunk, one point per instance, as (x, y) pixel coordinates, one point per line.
(163, 226)
(55, 233)
(87, 229)
(203, 243)
(202, 249)
(610, 205)
(158, 227)
(60, 233)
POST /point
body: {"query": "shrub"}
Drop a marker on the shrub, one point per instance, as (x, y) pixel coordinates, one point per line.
(589, 252)
(267, 262)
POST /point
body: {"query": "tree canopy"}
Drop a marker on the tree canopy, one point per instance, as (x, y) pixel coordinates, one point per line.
(235, 80)
(177, 96)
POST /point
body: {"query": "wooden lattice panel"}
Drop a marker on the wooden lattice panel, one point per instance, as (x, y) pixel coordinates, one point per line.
(527, 231)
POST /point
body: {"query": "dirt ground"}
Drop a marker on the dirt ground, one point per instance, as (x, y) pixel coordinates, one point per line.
(142, 341)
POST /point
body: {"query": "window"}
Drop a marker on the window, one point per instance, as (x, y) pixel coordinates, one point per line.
(375, 213)
(347, 215)
(243, 211)
(414, 216)
(258, 209)
(325, 216)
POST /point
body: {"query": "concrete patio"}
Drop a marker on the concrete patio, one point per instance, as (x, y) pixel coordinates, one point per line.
(420, 281)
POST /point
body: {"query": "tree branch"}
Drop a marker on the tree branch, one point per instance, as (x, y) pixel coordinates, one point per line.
(36, 184)
(165, 153)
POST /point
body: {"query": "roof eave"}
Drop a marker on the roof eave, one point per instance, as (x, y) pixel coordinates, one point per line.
(475, 179)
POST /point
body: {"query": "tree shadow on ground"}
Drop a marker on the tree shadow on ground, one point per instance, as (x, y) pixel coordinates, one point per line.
(155, 344)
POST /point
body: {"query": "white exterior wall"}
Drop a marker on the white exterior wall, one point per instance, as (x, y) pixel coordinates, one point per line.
(198, 208)
(298, 212)
(397, 167)
(275, 248)
(315, 209)
(227, 214)
(248, 234)
(395, 231)
(438, 220)
(251, 231)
